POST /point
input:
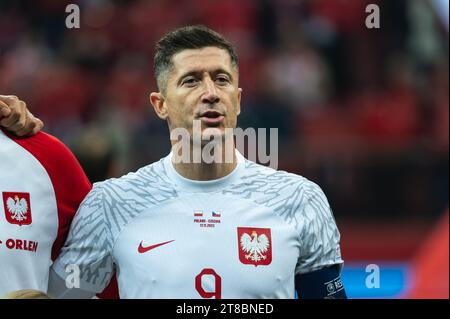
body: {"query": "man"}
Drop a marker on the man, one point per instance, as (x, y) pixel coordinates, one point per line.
(41, 186)
(200, 229)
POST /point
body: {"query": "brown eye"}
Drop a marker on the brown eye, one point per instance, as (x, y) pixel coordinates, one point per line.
(189, 82)
(222, 80)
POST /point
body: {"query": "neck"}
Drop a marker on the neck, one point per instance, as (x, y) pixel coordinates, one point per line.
(202, 170)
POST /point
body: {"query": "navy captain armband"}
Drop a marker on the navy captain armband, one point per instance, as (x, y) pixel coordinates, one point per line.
(324, 283)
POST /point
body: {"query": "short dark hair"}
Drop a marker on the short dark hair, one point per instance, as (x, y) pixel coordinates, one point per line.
(190, 37)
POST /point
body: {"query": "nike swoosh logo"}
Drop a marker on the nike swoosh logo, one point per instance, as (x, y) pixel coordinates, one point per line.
(142, 249)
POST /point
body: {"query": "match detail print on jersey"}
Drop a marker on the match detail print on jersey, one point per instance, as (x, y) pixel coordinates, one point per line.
(17, 208)
(207, 220)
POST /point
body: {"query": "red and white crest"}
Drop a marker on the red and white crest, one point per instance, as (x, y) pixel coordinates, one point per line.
(255, 246)
(17, 208)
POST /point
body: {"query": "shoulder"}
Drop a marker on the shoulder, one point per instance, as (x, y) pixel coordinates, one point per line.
(44, 146)
(68, 178)
(129, 195)
(285, 192)
(56, 158)
(258, 171)
(259, 179)
(151, 180)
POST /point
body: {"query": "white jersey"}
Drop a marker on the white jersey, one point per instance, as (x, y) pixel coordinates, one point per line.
(242, 236)
(41, 187)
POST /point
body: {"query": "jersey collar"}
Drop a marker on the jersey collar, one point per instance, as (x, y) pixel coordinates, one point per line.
(203, 186)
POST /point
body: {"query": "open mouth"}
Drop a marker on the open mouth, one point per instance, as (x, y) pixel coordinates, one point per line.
(211, 117)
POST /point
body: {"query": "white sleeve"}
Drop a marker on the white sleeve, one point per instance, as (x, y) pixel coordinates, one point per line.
(87, 254)
(319, 235)
(59, 289)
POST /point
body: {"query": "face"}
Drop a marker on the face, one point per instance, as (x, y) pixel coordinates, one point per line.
(203, 85)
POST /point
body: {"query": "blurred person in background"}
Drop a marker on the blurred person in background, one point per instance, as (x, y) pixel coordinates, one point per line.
(95, 152)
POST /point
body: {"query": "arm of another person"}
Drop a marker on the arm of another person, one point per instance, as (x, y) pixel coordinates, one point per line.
(16, 118)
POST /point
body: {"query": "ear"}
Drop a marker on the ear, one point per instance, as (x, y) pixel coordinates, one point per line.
(159, 104)
(238, 111)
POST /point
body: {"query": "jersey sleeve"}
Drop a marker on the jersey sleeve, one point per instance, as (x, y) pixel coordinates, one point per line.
(88, 249)
(319, 235)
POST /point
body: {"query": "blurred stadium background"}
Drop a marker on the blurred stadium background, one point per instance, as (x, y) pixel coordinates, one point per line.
(362, 112)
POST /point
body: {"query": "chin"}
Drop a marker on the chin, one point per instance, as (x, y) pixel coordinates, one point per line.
(213, 133)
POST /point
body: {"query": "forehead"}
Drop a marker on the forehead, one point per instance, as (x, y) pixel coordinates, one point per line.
(204, 59)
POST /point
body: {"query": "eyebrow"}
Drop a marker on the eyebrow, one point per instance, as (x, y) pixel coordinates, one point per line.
(197, 73)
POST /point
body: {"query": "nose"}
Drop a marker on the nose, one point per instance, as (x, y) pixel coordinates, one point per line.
(210, 96)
